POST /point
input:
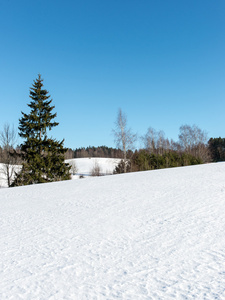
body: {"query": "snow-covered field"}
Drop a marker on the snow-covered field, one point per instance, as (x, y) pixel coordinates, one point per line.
(85, 165)
(147, 235)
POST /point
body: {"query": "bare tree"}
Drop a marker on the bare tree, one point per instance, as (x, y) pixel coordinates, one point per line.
(150, 140)
(8, 139)
(161, 142)
(96, 169)
(186, 138)
(73, 168)
(155, 141)
(175, 146)
(193, 140)
(124, 137)
(69, 154)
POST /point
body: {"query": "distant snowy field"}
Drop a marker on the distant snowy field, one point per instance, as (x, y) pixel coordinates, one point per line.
(148, 235)
(84, 167)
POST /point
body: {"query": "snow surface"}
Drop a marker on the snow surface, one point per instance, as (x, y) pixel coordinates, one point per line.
(149, 235)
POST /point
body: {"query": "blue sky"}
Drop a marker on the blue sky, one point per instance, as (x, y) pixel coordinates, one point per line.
(162, 62)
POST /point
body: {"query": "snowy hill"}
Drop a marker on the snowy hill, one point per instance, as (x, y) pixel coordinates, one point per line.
(148, 235)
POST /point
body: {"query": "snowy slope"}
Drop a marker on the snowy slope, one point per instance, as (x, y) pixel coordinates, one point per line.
(148, 235)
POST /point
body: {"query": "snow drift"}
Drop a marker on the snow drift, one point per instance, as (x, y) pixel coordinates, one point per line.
(148, 235)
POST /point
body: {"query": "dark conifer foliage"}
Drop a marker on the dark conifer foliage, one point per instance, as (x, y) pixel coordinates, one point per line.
(142, 160)
(101, 151)
(43, 157)
(217, 149)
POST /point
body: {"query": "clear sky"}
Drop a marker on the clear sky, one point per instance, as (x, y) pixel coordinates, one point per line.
(161, 61)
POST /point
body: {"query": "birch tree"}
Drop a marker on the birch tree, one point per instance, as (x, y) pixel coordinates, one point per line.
(124, 137)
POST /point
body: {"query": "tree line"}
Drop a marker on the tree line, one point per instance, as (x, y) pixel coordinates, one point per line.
(158, 151)
(92, 151)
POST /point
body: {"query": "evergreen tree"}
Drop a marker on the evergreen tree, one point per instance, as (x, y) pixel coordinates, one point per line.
(217, 149)
(43, 157)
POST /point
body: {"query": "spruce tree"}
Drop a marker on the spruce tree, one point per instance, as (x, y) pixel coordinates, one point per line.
(43, 157)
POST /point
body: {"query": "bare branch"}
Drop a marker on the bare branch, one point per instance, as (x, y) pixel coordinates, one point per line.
(8, 138)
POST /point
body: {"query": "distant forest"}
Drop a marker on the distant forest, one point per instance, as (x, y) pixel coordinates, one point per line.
(158, 153)
(91, 151)
(214, 151)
